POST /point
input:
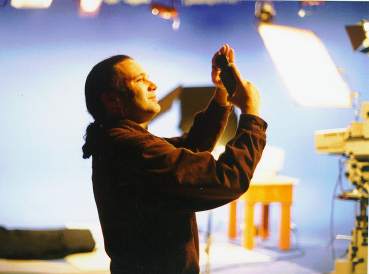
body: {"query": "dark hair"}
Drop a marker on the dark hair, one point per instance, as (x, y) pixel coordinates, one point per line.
(102, 78)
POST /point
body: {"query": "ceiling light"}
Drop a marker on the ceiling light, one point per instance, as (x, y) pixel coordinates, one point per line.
(304, 64)
(301, 13)
(311, 3)
(307, 7)
(164, 11)
(89, 7)
(167, 13)
(264, 11)
(30, 4)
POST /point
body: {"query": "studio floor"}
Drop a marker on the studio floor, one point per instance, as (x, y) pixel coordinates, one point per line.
(225, 258)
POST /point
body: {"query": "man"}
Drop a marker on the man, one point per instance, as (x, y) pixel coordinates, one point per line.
(147, 189)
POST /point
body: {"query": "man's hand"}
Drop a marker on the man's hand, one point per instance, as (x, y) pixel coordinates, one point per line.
(246, 96)
(221, 94)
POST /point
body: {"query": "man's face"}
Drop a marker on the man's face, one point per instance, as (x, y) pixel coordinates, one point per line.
(141, 105)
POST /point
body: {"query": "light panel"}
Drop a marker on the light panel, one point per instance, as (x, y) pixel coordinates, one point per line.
(30, 4)
(305, 66)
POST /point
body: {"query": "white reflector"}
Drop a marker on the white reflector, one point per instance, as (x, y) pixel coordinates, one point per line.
(305, 66)
(30, 4)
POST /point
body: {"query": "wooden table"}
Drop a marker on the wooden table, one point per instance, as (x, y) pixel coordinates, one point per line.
(264, 190)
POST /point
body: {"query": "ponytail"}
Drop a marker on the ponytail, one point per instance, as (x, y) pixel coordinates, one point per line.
(92, 137)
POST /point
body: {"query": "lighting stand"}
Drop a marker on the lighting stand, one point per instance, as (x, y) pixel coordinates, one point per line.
(356, 261)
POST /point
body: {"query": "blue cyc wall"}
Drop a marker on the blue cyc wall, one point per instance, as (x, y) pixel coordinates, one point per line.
(46, 55)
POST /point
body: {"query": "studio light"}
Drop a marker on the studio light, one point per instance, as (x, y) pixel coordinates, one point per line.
(305, 66)
(164, 11)
(307, 7)
(264, 11)
(359, 36)
(89, 7)
(30, 4)
(167, 13)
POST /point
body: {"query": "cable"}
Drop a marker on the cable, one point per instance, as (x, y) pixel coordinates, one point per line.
(341, 162)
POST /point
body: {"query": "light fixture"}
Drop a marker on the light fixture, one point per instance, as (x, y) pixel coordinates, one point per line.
(306, 7)
(89, 7)
(359, 36)
(163, 11)
(264, 11)
(301, 13)
(305, 67)
(30, 4)
(167, 13)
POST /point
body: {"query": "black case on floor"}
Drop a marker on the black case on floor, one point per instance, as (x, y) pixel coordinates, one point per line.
(44, 244)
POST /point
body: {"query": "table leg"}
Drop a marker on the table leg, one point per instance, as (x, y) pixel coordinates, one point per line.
(264, 228)
(232, 224)
(249, 229)
(284, 237)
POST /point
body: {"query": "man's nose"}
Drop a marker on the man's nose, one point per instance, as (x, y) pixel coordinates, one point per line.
(152, 86)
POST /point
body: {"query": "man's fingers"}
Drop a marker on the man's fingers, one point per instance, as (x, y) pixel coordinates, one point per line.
(236, 73)
(223, 49)
(228, 49)
(231, 55)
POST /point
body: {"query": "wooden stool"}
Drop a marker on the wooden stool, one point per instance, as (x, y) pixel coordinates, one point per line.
(265, 191)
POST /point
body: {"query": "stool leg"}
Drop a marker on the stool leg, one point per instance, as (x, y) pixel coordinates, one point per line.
(249, 230)
(232, 224)
(264, 229)
(284, 237)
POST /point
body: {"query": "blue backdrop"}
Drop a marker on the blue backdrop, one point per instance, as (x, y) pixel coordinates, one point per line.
(45, 56)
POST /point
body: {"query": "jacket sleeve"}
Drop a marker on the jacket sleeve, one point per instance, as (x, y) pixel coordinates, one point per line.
(191, 181)
(206, 129)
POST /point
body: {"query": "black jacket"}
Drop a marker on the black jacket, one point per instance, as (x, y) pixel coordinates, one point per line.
(147, 189)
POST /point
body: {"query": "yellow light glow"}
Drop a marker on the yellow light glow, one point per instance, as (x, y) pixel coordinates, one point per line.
(366, 26)
(90, 6)
(218, 149)
(30, 4)
(166, 15)
(305, 67)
